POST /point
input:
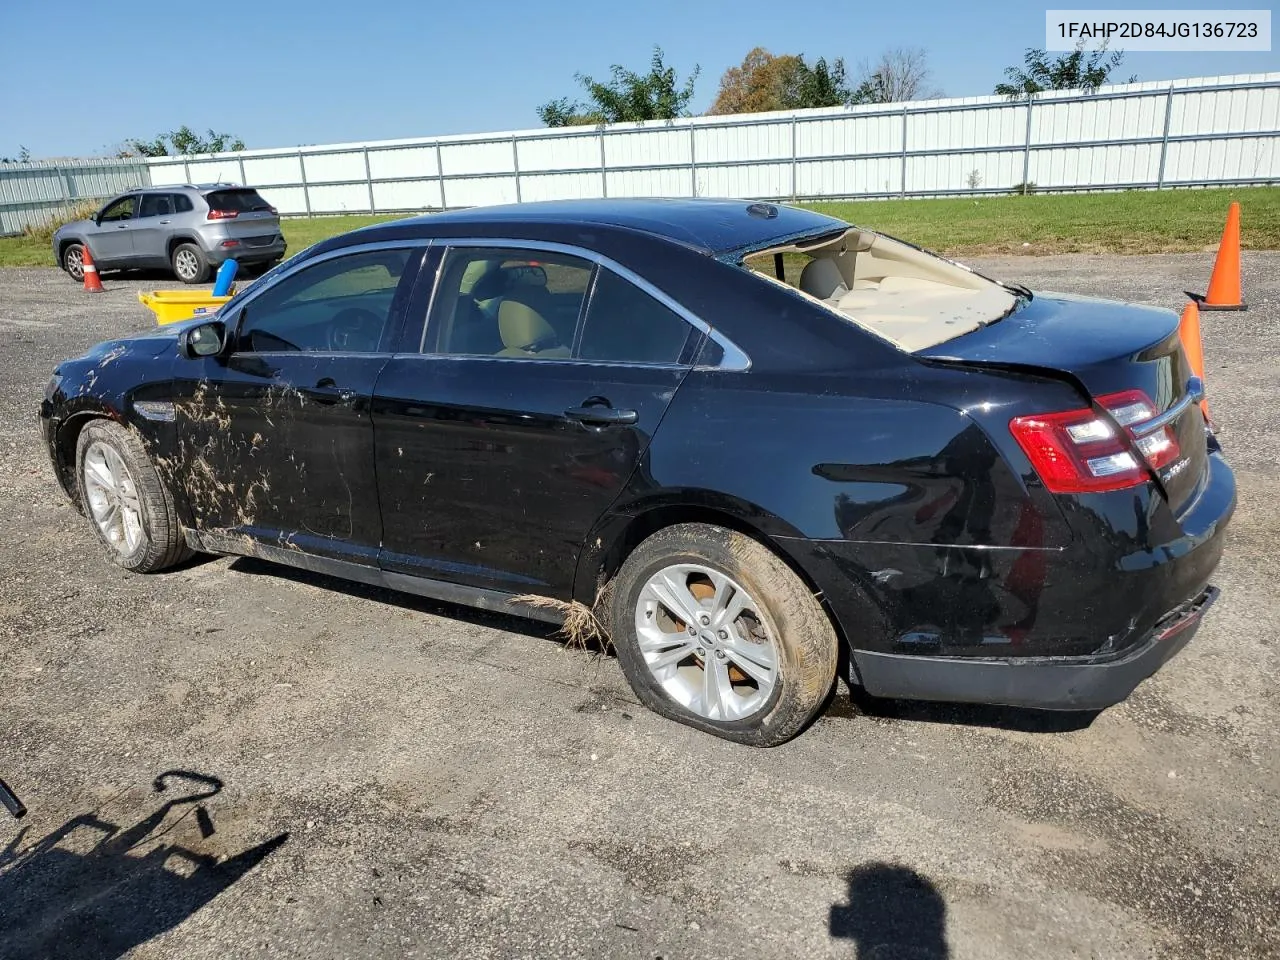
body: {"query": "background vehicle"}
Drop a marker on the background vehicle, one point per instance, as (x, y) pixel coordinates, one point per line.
(190, 230)
(959, 489)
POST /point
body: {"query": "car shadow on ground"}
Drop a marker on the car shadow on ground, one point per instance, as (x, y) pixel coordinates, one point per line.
(891, 911)
(856, 702)
(94, 890)
(509, 622)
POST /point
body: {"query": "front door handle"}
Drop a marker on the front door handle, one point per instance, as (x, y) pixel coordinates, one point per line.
(601, 415)
(333, 394)
(164, 221)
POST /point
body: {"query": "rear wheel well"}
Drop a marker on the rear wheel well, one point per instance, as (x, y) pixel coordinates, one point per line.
(176, 242)
(644, 526)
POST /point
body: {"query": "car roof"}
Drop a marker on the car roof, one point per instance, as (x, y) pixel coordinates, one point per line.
(712, 226)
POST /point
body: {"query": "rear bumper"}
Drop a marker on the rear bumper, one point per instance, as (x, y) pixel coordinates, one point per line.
(1046, 683)
(244, 253)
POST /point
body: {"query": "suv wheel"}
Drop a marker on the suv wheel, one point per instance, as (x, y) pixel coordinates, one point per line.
(190, 264)
(714, 630)
(73, 261)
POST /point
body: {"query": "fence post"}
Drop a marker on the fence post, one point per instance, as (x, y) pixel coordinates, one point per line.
(1026, 149)
(604, 168)
(440, 174)
(186, 170)
(243, 181)
(368, 178)
(794, 152)
(904, 150)
(515, 164)
(693, 163)
(306, 190)
(1164, 143)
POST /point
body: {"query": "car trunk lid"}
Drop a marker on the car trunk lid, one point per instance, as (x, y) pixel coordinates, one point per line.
(243, 212)
(1111, 352)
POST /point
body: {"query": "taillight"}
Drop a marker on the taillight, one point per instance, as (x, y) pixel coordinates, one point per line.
(1076, 451)
(222, 214)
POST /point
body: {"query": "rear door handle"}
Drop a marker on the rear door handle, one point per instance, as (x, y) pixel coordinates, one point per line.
(601, 415)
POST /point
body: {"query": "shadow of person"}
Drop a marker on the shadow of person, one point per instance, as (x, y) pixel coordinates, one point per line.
(65, 896)
(893, 913)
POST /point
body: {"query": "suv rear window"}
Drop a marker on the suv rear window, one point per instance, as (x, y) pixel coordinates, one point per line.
(236, 201)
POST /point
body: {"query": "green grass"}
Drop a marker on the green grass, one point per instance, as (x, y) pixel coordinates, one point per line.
(1139, 221)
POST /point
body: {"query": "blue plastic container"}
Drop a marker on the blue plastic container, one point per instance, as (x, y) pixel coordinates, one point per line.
(226, 276)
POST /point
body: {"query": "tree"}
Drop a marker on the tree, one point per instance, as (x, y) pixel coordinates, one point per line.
(761, 83)
(824, 86)
(182, 142)
(900, 74)
(626, 97)
(1071, 71)
(24, 156)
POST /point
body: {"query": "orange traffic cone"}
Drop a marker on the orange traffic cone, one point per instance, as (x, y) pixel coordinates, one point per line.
(92, 282)
(1224, 285)
(1193, 346)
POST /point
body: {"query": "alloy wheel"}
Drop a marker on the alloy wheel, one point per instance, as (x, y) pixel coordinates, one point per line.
(74, 262)
(113, 498)
(185, 265)
(706, 642)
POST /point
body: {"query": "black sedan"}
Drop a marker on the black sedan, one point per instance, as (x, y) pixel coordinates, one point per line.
(753, 444)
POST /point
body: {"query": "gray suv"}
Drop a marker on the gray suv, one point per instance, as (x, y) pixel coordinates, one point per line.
(189, 229)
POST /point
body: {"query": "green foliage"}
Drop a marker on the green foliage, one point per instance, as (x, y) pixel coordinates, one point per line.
(822, 85)
(43, 232)
(24, 156)
(627, 97)
(183, 142)
(1070, 71)
(1023, 189)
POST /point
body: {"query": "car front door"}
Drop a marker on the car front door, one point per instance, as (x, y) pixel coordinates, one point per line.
(504, 434)
(111, 243)
(151, 229)
(275, 441)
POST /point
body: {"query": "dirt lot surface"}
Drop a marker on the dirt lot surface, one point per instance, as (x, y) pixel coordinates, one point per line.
(406, 778)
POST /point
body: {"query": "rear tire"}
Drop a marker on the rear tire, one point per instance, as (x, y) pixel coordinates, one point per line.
(73, 261)
(126, 501)
(769, 645)
(190, 265)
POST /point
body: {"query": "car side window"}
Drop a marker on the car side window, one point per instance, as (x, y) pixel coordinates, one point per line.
(156, 205)
(508, 303)
(341, 304)
(624, 324)
(182, 203)
(122, 209)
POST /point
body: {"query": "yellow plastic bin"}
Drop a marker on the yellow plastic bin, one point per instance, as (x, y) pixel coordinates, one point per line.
(171, 306)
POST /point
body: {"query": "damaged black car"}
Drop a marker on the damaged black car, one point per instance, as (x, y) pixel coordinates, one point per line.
(754, 445)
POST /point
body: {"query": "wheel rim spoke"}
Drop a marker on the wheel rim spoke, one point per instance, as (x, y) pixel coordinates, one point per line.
(712, 668)
(113, 498)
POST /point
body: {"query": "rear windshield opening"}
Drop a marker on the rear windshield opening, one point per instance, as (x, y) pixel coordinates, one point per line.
(236, 201)
(909, 297)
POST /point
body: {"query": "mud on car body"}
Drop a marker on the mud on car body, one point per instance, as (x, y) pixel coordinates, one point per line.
(758, 444)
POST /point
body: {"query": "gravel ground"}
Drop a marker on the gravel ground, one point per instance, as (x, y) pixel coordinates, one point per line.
(406, 778)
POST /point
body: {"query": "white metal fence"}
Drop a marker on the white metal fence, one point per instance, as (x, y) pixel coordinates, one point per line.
(33, 193)
(1202, 132)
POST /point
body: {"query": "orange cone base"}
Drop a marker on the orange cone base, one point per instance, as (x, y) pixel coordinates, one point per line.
(1199, 300)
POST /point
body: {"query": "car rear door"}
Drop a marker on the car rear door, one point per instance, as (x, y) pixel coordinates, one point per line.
(275, 441)
(507, 429)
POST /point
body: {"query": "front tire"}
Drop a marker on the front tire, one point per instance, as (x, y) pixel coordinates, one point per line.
(714, 630)
(125, 500)
(190, 265)
(73, 261)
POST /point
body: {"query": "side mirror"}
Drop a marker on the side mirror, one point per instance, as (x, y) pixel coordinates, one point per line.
(204, 340)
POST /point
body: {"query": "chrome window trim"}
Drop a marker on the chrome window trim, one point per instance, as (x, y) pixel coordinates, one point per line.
(251, 292)
(734, 359)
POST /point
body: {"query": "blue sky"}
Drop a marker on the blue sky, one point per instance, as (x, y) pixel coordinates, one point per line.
(80, 78)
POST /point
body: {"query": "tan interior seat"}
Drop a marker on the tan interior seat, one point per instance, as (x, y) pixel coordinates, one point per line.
(821, 278)
(526, 333)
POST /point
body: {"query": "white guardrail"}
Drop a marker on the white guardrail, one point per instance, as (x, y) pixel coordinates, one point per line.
(1184, 133)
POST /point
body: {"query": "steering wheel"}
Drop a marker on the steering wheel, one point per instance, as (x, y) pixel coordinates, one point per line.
(351, 329)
